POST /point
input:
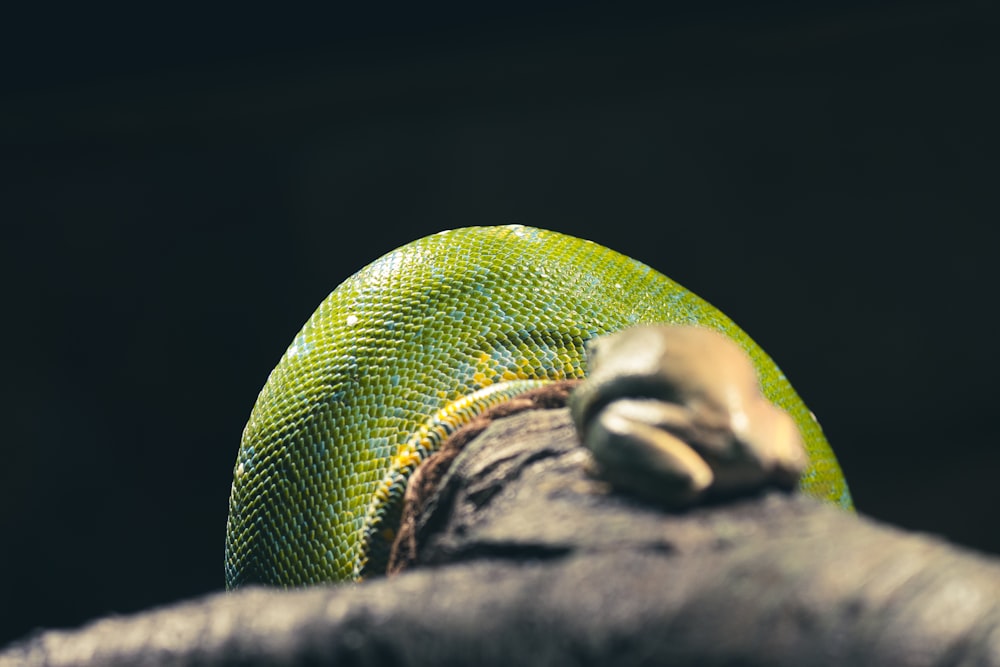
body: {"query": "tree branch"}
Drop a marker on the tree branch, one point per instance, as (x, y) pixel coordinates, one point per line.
(524, 558)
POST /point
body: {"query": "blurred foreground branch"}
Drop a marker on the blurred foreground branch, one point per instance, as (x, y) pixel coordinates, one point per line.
(525, 559)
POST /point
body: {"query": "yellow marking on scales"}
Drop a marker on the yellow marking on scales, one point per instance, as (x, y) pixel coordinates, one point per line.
(444, 422)
(388, 496)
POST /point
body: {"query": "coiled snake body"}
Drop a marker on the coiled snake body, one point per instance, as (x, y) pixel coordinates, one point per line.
(408, 348)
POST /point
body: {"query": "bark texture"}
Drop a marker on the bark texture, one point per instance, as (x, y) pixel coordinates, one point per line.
(523, 557)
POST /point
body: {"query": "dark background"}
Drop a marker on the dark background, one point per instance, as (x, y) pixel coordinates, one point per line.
(178, 192)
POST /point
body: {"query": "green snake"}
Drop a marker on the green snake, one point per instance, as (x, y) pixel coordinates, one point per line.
(412, 346)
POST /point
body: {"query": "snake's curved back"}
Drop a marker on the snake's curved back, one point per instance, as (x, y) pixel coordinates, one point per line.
(422, 326)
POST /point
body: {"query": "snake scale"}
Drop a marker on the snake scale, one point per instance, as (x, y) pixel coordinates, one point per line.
(410, 347)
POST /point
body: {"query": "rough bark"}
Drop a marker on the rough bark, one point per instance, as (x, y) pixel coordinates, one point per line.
(524, 558)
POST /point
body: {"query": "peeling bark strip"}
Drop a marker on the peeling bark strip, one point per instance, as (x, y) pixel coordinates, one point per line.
(426, 479)
(537, 563)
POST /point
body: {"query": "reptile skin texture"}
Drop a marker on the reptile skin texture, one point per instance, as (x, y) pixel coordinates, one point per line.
(411, 347)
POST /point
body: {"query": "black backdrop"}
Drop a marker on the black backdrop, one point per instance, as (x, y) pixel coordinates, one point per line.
(179, 192)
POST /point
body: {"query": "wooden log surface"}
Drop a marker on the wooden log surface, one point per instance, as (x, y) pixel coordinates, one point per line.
(524, 557)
